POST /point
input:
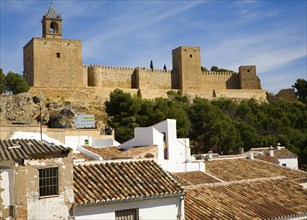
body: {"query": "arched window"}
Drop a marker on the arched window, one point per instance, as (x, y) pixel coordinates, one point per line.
(53, 28)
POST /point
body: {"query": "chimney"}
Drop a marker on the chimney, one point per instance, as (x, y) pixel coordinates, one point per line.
(210, 155)
(241, 150)
(271, 151)
(251, 156)
(278, 146)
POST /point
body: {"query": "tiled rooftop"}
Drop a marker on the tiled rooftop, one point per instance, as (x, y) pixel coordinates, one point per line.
(279, 154)
(267, 159)
(196, 177)
(106, 152)
(29, 149)
(82, 156)
(141, 152)
(117, 153)
(240, 169)
(118, 181)
(257, 199)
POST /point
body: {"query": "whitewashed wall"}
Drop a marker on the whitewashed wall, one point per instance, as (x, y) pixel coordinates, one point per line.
(74, 141)
(105, 142)
(146, 136)
(290, 162)
(6, 185)
(165, 208)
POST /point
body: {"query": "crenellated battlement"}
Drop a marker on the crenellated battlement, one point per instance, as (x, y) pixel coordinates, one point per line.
(108, 67)
(153, 70)
(126, 68)
(219, 73)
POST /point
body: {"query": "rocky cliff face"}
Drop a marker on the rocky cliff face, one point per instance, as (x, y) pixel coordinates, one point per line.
(26, 109)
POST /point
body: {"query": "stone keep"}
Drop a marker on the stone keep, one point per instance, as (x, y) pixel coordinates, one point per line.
(51, 61)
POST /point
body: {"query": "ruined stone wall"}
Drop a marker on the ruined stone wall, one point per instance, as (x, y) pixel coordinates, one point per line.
(235, 94)
(28, 202)
(153, 79)
(53, 63)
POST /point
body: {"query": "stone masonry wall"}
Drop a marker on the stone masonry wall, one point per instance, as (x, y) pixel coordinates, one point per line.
(219, 80)
(153, 79)
(54, 63)
(110, 76)
(29, 204)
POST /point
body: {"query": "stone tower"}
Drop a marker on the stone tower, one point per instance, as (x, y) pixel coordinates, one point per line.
(186, 63)
(248, 78)
(53, 62)
(52, 24)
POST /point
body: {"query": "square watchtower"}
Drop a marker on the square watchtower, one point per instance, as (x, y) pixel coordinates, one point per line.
(186, 64)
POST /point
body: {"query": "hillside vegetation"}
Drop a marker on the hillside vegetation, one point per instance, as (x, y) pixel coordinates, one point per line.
(222, 126)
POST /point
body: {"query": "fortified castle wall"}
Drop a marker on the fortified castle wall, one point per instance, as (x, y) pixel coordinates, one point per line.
(53, 66)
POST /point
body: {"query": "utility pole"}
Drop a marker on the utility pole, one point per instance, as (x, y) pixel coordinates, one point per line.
(40, 119)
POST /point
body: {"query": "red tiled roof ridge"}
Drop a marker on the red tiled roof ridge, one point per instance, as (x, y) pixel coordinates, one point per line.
(229, 157)
(235, 182)
(111, 161)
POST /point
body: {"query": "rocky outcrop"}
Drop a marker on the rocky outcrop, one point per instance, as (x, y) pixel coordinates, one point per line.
(21, 109)
(31, 110)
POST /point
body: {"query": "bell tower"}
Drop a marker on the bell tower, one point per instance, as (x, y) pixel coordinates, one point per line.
(52, 24)
(51, 61)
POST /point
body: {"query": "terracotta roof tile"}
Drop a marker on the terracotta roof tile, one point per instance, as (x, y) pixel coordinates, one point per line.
(18, 149)
(242, 169)
(279, 154)
(141, 152)
(106, 152)
(257, 199)
(284, 153)
(197, 177)
(267, 159)
(82, 156)
(105, 182)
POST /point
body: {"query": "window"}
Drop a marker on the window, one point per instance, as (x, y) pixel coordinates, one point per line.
(284, 165)
(128, 214)
(48, 182)
(58, 55)
(191, 56)
(53, 28)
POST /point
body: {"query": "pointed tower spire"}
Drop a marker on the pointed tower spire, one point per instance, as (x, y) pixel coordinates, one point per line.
(51, 13)
(52, 24)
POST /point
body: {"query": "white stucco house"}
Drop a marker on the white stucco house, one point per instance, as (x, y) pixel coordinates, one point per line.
(174, 154)
(131, 189)
(284, 156)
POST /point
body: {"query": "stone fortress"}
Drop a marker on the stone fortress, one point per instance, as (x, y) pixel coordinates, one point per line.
(53, 66)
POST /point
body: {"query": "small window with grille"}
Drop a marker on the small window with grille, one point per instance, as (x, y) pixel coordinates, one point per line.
(127, 214)
(48, 182)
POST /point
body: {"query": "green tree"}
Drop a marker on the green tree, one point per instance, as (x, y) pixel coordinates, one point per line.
(204, 69)
(214, 69)
(2, 85)
(15, 83)
(301, 90)
(151, 65)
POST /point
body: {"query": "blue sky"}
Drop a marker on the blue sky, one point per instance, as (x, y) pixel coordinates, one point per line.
(268, 34)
